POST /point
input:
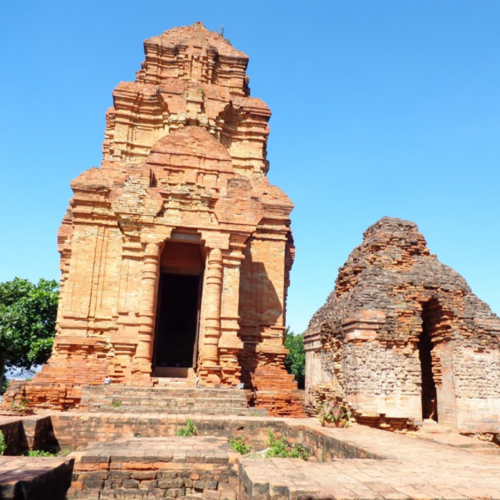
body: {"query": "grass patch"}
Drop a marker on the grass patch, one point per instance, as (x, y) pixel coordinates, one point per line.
(39, 453)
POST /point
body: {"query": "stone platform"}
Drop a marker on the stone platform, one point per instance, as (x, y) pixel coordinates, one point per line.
(409, 469)
(25, 478)
(175, 467)
(173, 400)
(353, 463)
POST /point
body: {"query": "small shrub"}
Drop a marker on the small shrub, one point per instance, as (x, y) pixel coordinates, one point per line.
(334, 412)
(21, 406)
(3, 446)
(221, 32)
(282, 449)
(39, 453)
(238, 444)
(188, 431)
(18, 404)
(116, 404)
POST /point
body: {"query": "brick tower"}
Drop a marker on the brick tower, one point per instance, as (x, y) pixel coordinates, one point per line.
(176, 252)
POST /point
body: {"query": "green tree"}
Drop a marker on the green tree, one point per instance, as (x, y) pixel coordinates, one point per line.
(27, 322)
(295, 361)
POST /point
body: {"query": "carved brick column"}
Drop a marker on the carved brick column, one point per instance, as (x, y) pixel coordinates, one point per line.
(210, 369)
(229, 343)
(147, 307)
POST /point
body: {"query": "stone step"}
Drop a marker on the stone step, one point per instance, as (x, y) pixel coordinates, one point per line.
(167, 400)
(192, 392)
(153, 398)
(172, 382)
(172, 400)
(431, 426)
(170, 403)
(179, 410)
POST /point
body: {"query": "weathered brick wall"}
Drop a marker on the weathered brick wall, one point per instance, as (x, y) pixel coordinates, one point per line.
(367, 340)
(77, 430)
(14, 437)
(382, 379)
(200, 467)
(477, 389)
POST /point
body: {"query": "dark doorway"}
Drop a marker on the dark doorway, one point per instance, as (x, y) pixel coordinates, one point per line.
(177, 321)
(425, 346)
(177, 313)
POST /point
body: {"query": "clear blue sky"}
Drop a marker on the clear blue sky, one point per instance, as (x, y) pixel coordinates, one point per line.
(380, 107)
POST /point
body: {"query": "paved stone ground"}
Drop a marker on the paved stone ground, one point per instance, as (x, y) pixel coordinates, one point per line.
(411, 469)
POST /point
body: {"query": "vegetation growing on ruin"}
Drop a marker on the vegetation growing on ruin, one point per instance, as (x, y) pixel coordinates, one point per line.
(238, 444)
(333, 412)
(283, 449)
(189, 430)
(19, 404)
(39, 453)
(3, 446)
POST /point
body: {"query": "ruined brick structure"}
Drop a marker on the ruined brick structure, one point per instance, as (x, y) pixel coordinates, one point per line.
(402, 338)
(176, 252)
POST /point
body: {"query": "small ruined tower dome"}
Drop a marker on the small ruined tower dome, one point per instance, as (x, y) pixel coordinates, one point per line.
(403, 337)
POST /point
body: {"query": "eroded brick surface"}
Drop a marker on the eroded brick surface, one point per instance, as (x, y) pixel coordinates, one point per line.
(364, 345)
(26, 478)
(182, 189)
(175, 467)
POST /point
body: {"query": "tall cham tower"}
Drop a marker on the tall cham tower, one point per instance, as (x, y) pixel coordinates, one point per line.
(176, 252)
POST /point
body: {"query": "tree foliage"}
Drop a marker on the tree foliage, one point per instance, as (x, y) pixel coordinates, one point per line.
(295, 361)
(27, 322)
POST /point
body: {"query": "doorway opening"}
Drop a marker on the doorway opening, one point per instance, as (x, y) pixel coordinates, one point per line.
(178, 310)
(430, 321)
